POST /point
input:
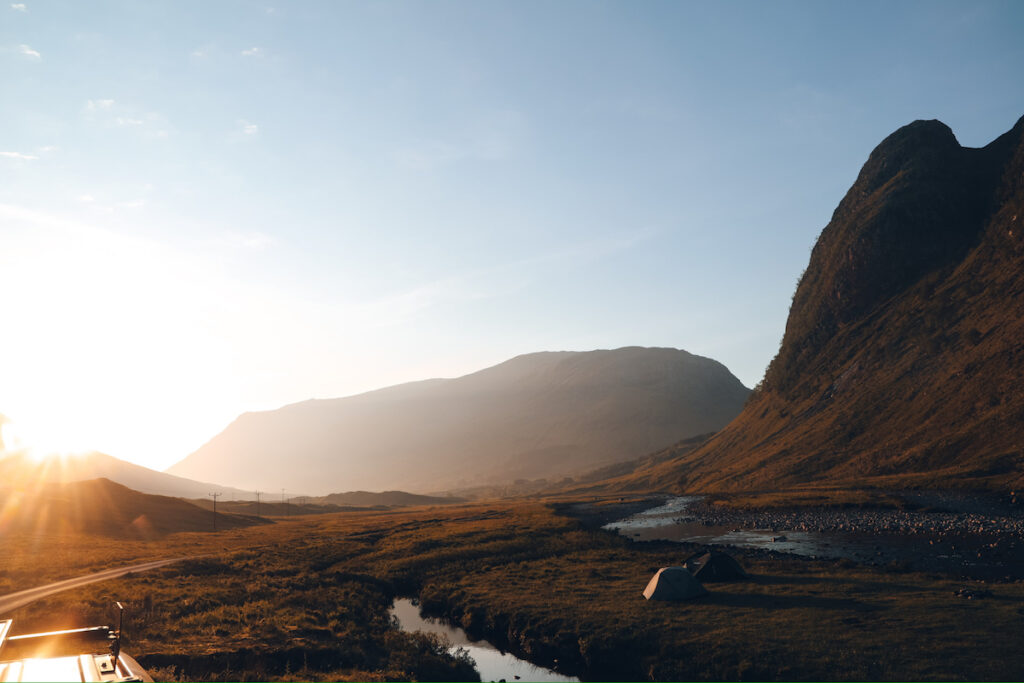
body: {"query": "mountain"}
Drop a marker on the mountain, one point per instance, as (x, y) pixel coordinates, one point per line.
(100, 506)
(903, 355)
(17, 469)
(539, 415)
(320, 505)
(384, 499)
(645, 474)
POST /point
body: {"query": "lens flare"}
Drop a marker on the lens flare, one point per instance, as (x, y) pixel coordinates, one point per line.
(36, 442)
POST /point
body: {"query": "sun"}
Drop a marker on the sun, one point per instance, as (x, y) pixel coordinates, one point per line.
(35, 442)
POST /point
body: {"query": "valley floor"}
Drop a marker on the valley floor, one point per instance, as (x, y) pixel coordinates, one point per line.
(308, 599)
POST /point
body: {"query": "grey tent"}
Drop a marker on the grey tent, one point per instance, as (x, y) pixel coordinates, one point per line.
(673, 583)
(715, 565)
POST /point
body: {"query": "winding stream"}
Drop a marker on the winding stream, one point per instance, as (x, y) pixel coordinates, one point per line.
(491, 663)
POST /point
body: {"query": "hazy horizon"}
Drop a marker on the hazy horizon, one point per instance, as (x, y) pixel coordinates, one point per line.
(209, 209)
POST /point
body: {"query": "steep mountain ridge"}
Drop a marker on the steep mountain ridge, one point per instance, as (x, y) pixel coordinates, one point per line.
(549, 414)
(919, 203)
(902, 357)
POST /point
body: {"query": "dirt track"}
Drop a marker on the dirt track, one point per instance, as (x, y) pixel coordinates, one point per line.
(13, 601)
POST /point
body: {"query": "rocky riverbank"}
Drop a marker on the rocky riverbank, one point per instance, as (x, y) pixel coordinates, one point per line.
(966, 534)
(941, 514)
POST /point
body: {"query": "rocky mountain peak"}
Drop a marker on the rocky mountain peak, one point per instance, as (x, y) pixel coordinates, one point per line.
(901, 362)
(918, 204)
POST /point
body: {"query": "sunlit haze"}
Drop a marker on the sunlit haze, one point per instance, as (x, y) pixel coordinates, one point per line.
(209, 208)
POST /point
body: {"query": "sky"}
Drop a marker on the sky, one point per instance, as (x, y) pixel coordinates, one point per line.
(208, 208)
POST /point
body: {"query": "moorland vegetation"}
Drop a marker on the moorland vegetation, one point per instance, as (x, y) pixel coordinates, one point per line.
(307, 599)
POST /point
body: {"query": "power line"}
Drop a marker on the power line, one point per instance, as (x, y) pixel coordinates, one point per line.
(215, 496)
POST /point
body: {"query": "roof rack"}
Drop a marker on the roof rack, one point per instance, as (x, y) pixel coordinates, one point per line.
(69, 655)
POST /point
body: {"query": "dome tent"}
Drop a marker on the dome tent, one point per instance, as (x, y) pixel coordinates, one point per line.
(714, 565)
(673, 583)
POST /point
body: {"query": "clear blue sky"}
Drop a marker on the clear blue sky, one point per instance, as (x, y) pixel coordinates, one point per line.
(212, 207)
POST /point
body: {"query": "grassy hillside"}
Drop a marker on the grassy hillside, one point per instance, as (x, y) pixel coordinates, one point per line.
(902, 358)
(102, 507)
(18, 470)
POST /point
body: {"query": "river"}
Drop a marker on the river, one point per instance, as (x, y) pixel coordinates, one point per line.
(977, 540)
(491, 663)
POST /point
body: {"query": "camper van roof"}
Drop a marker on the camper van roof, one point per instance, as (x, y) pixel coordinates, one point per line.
(71, 655)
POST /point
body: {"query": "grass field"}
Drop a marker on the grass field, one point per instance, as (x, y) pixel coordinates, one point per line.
(307, 598)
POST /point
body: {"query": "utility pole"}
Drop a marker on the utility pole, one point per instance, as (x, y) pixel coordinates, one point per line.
(215, 496)
(258, 504)
(282, 501)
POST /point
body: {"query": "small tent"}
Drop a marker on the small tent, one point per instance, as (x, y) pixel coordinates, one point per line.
(715, 565)
(673, 583)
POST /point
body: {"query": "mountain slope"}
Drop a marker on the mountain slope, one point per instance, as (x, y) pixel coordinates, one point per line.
(384, 499)
(100, 506)
(539, 415)
(903, 358)
(17, 469)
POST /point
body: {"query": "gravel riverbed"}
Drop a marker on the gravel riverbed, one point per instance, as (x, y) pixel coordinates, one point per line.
(862, 520)
(967, 534)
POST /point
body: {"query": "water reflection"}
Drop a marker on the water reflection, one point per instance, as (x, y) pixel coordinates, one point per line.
(492, 664)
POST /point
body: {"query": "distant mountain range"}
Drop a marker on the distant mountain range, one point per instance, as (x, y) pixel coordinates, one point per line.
(541, 415)
(100, 506)
(903, 357)
(20, 471)
(384, 499)
(350, 501)
(23, 473)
